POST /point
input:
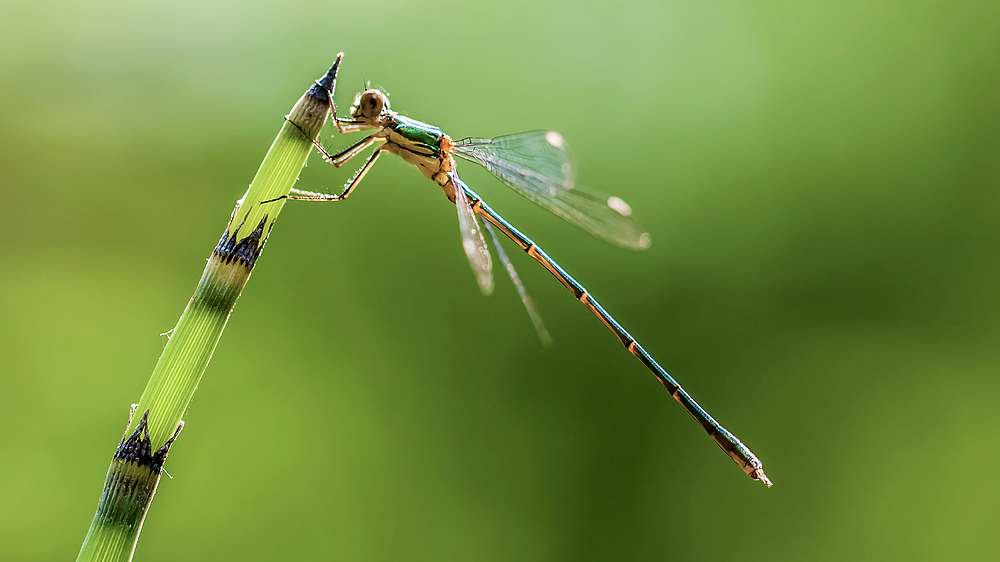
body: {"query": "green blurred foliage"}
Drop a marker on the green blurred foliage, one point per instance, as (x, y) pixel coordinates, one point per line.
(820, 181)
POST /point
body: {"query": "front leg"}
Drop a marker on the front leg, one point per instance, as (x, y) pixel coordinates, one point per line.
(300, 195)
(344, 125)
(345, 155)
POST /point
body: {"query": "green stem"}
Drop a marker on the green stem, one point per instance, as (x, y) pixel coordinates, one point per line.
(136, 466)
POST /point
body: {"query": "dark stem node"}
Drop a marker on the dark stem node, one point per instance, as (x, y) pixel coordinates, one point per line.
(138, 449)
(245, 250)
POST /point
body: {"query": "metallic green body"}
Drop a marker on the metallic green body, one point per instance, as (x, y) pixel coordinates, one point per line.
(416, 136)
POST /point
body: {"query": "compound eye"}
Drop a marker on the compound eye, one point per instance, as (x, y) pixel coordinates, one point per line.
(372, 104)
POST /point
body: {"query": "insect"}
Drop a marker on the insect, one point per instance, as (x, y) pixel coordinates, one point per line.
(536, 165)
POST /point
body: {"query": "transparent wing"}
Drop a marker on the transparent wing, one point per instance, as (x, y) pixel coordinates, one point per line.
(538, 166)
(473, 241)
(606, 217)
(529, 305)
(538, 161)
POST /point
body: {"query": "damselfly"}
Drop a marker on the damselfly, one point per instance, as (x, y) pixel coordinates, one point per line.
(536, 165)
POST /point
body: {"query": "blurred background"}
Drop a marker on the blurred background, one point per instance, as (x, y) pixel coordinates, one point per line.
(819, 180)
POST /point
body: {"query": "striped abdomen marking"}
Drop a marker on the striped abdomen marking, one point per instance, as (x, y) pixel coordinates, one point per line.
(749, 462)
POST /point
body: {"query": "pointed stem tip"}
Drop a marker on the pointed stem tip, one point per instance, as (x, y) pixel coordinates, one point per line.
(324, 85)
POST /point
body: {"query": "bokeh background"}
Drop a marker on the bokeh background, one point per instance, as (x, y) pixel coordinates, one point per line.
(819, 179)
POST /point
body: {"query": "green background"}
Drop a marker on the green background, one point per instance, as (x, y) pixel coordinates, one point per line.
(819, 180)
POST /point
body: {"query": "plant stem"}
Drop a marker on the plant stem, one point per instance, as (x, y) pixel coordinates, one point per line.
(136, 466)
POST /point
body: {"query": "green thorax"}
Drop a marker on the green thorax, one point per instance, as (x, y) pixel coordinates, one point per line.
(416, 136)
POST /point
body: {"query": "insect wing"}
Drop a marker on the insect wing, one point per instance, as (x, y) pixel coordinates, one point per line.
(606, 217)
(473, 241)
(538, 166)
(537, 161)
(529, 304)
